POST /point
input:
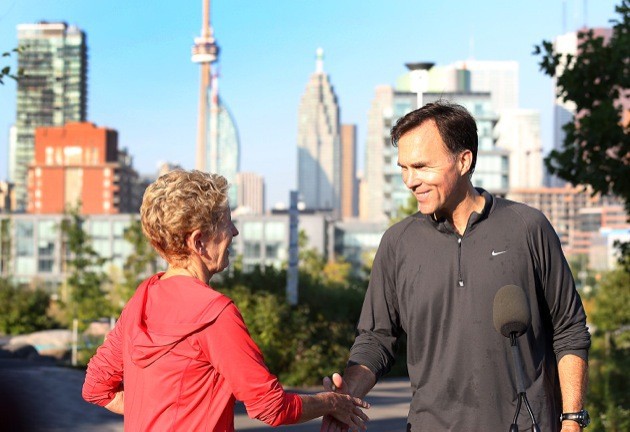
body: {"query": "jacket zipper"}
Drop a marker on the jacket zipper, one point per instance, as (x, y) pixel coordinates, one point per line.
(460, 282)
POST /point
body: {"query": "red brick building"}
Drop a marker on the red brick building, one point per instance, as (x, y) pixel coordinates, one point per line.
(80, 163)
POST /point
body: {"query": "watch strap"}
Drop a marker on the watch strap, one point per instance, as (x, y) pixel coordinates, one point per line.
(580, 417)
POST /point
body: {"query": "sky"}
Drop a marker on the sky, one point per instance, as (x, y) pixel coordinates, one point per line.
(142, 83)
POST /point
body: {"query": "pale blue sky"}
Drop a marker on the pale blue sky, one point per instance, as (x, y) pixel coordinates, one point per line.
(143, 84)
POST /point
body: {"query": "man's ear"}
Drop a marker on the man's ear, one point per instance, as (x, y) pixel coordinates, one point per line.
(464, 162)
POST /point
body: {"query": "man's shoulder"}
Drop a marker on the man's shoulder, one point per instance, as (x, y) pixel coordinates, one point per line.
(414, 221)
(523, 212)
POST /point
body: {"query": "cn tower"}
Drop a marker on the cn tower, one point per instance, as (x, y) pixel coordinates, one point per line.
(205, 52)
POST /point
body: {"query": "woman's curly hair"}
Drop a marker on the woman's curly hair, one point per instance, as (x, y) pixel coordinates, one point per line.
(178, 203)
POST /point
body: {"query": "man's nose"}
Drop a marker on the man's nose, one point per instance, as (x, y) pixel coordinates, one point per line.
(412, 179)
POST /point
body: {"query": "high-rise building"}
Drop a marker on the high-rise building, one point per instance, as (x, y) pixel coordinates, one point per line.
(349, 183)
(80, 164)
(563, 111)
(251, 193)
(7, 196)
(51, 92)
(518, 131)
(575, 213)
(217, 136)
(33, 249)
(166, 167)
(500, 78)
(318, 140)
(380, 170)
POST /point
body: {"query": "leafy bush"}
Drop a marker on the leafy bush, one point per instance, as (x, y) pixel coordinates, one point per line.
(609, 383)
(304, 343)
(23, 310)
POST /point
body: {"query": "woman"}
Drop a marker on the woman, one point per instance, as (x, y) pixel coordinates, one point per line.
(180, 348)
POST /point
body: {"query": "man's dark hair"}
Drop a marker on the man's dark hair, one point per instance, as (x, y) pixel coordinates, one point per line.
(457, 127)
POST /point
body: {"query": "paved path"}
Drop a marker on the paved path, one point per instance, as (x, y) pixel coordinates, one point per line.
(37, 396)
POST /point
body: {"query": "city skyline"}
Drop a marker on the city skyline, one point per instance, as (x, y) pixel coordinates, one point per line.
(142, 83)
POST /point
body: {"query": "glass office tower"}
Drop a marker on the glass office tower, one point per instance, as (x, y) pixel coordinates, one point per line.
(51, 91)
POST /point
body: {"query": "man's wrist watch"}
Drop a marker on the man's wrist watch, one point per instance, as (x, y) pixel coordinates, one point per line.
(581, 417)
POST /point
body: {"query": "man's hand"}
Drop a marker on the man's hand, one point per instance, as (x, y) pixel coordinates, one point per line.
(346, 410)
(357, 381)
(336, 384)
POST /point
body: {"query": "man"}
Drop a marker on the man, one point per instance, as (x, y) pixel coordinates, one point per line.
(434, 278)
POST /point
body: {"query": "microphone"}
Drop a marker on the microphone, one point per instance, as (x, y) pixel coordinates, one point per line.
(512, 317)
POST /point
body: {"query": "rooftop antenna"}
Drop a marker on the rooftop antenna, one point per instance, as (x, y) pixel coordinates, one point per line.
(205, 51)
(564, 16)
(585, 5)
(319, 63)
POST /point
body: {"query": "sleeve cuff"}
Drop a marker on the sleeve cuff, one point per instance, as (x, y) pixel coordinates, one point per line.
(581, 353)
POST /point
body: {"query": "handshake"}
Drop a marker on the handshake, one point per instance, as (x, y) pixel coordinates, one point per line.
(346, 413)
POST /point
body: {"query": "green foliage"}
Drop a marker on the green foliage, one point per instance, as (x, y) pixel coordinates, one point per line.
(6, 70)
(23, 310)
(609, 388)
(596, 148)
(5, 247)
(310, 261)
(304, 343)
(410, 207)
(141, 263)
(86, 298)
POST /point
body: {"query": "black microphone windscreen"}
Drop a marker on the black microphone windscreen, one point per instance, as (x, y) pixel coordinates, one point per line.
(510, 311)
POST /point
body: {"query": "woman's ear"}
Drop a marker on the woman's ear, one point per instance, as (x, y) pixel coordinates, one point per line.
(195, 242)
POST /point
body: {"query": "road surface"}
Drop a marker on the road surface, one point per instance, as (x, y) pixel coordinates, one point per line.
(38, 396)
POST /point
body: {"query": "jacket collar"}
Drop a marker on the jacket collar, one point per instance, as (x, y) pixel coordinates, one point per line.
(446, 227)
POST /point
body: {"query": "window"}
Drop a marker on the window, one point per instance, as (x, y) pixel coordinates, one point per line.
(24, 239)
(45, 265)
(118, 228)
(100, 229)
(25, 265)
(46, 247)
(47, 229)
(252, 230)
(102, 247)
(274, 231)
(271, 250)
(252, 249)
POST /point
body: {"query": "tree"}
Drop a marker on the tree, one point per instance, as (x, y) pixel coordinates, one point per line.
(5, 247)
(6, 70)
(300, 343)
(311, 262)
(409, 208)
(141, 263)
(609, 388)
(86, 299)
(596, 148)
(23, 310)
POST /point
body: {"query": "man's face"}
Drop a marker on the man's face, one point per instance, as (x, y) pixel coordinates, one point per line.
(430, 171)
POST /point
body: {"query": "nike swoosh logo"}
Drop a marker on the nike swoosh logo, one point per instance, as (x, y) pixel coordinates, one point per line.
(498, 253)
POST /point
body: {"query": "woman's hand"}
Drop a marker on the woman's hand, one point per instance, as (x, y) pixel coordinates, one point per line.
(117, 405)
